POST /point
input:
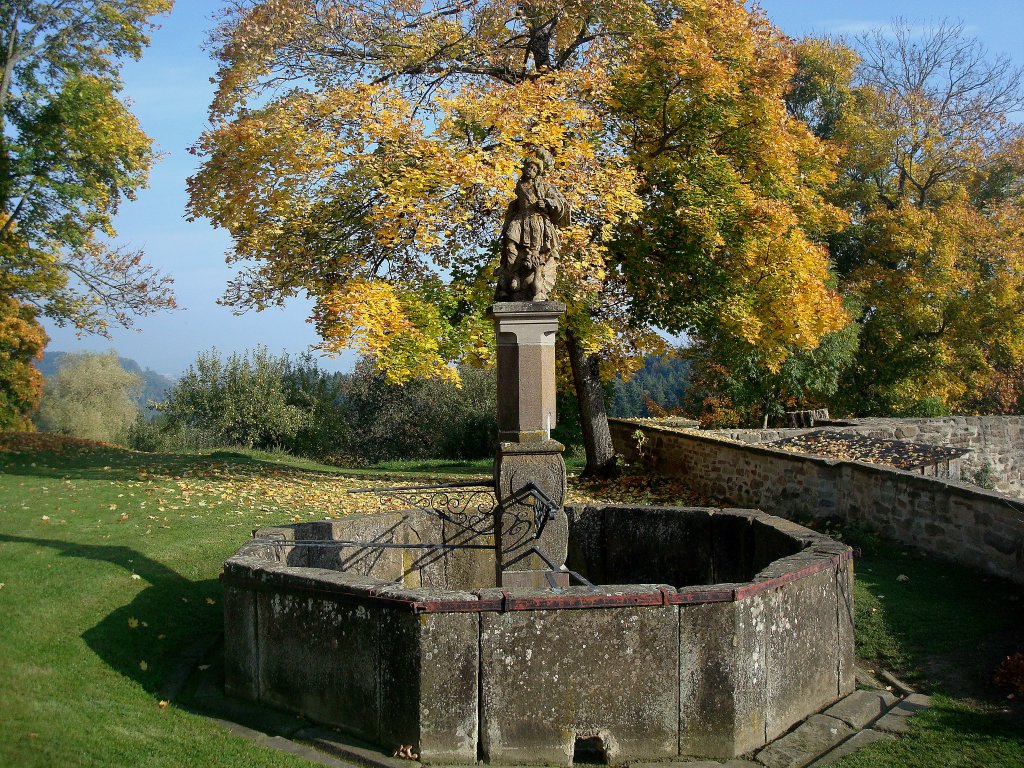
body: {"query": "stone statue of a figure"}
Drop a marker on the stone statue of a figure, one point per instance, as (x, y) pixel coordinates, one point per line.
(530, 238)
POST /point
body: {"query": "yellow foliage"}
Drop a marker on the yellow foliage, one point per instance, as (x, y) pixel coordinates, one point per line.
(378, 182)
(393, 328)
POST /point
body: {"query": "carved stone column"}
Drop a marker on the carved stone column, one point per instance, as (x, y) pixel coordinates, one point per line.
(529, 471)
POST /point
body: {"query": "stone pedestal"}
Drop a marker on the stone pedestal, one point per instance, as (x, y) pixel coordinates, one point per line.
(529, 467)
(526, 333)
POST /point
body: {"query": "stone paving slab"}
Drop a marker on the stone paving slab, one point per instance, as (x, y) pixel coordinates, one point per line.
(817, 734)
(896, 683)
(851, 745)
(865, 678)
(304, 751)
(892, 723)
(861, 707)
(913, 704)
(281, 744)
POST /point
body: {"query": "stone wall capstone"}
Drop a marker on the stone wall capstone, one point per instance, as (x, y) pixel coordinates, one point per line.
(996, 443)
(949, 519)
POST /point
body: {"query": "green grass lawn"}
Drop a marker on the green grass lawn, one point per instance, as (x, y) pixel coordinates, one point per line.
(944, 630)
(108, 573)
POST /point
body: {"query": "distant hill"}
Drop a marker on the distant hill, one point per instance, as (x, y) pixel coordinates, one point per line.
(662, 379)
(155, 385)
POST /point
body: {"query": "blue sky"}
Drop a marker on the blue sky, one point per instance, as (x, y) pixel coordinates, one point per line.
(170, 89)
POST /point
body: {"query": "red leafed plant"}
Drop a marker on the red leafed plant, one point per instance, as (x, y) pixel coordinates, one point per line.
(1011, 673)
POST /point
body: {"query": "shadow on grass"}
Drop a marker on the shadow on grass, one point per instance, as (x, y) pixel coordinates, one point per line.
(124, 465)
(944, 626)
(117, 464)
(1004, 726)
(144, 639)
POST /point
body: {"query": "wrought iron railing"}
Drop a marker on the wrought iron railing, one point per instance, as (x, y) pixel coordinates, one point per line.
(468, 508)
(468, 513)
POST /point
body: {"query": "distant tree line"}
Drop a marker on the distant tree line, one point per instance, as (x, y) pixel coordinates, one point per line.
(656, 388)
(264, 401)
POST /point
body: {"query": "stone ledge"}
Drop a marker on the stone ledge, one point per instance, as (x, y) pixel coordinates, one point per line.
(851, 745)
(862, 707)
(798, 748)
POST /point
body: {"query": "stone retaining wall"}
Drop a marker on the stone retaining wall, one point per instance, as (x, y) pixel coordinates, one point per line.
(948, 519)
(996, 443)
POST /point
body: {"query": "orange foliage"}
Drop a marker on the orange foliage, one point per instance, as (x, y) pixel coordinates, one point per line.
(22, 340)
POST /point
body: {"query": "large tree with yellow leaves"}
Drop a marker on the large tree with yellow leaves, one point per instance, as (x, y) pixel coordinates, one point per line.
(363, 153)
(933, 179)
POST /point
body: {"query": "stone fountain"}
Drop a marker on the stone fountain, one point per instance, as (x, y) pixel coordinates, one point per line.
(489, 622)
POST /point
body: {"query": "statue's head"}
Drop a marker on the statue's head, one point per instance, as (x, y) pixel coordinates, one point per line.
(536, 165)
(532, 168)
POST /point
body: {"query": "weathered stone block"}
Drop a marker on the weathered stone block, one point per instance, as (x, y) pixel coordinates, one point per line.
(845, 630)
(321, 657)
(429, 567)
(586, 542)
(803, 655)
(384, 674)
(552, 677)
(384, 564)
(861, 707)
(241, 652)
(516, 466)
(683, 551)
(525, 333)
(732, 540)
(429, 684)
(722, 678)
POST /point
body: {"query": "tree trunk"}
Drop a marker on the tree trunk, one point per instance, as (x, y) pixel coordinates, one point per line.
(597, 437)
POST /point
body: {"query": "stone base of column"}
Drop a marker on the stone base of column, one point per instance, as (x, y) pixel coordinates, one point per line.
(518, 469)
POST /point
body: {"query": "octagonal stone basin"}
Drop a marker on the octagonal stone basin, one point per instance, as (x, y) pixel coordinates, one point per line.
(709, 633)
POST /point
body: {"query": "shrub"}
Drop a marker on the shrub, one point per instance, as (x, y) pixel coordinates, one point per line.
(424, 418)
(91, 396)
(1011, 673)
(321, 397)
(239, 401)
(157, 435)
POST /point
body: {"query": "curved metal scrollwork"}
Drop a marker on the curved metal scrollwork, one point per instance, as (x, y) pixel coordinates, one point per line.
(468, 507)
